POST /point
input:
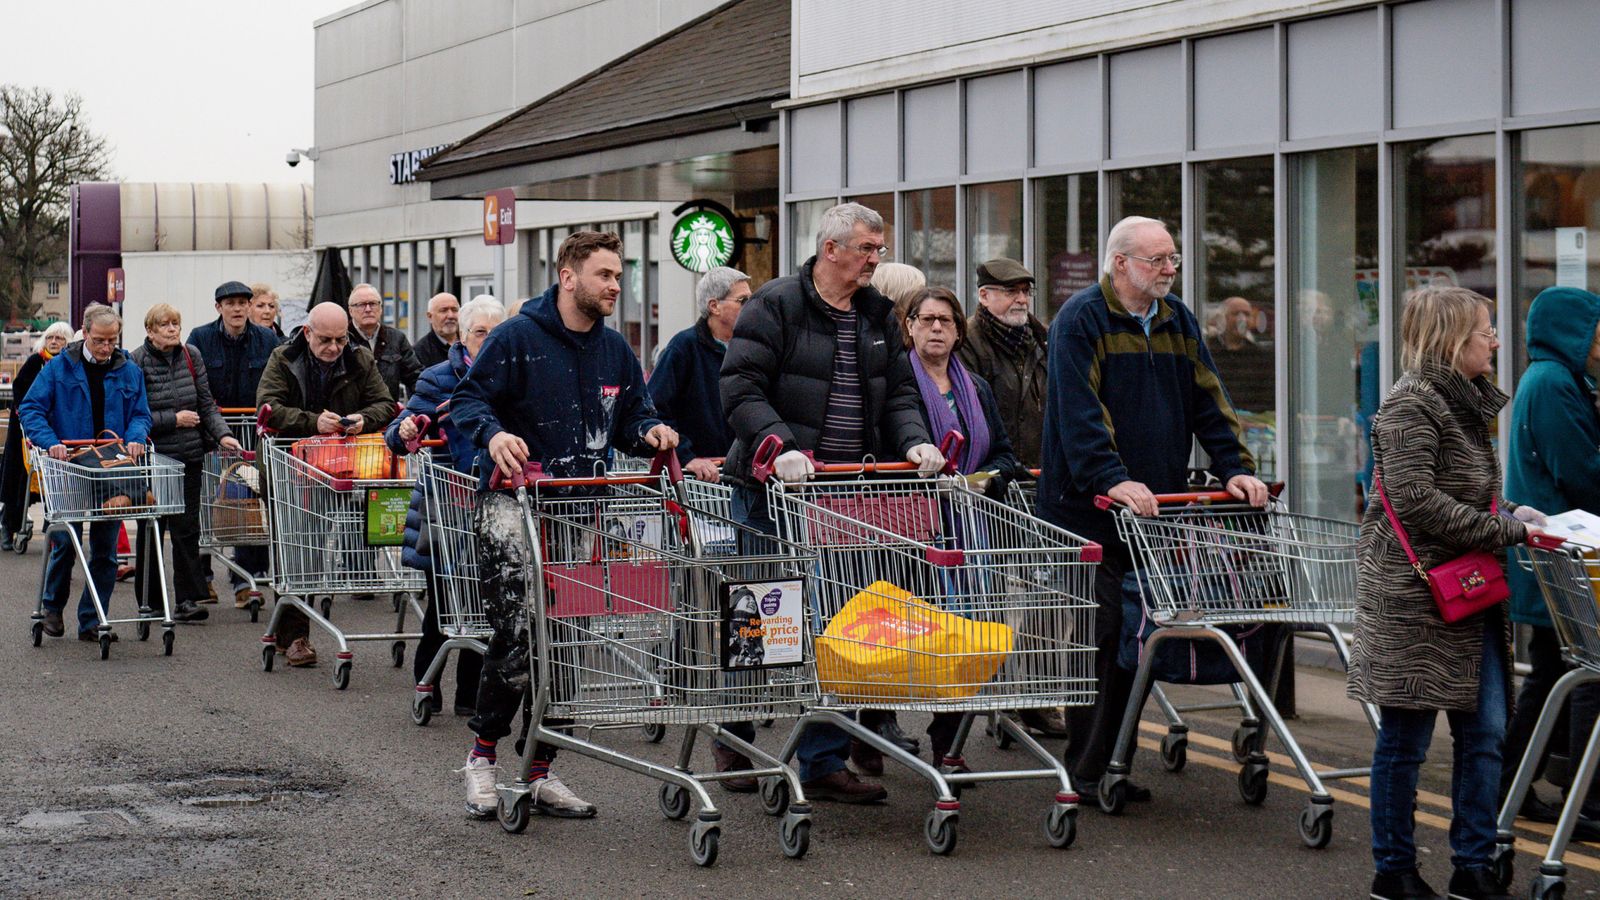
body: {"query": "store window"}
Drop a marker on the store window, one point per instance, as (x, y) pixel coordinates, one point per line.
(883, 205)
(1559, 170)
(1065, 239)
(930, 237)
(1334, 387)
(1155, 192)
(806, 218)
(1445, 202)
(994, 229)
(1234, 292)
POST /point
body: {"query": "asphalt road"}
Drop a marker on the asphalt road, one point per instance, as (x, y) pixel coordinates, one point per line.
(201, 775)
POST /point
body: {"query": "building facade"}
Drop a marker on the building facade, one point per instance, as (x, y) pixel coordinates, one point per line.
(1317, 160)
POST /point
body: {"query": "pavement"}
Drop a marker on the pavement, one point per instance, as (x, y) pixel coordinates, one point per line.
(200, 775)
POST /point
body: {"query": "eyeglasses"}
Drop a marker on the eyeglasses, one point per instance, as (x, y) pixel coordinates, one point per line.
(1492, 334)
(368, 304)
(930, 321)
(882, 250)
(1173, 259)
(1020, 292)
(341, 340)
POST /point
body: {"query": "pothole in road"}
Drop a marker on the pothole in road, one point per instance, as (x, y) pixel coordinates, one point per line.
(225, 801)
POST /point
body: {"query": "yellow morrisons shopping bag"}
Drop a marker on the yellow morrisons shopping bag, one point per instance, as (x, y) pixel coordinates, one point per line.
(886, 645)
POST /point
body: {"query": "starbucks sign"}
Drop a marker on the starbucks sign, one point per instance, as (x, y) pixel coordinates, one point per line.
(704, 238)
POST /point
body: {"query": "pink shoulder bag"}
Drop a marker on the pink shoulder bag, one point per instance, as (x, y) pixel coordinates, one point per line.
(1468, 584)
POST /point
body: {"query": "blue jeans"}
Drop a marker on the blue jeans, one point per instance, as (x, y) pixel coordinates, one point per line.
(823, 749)
(1402, 746)
(102, 569)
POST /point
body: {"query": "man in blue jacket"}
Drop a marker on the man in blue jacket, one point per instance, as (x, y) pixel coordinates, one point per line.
(1131, 387)
(684, 383)
(236, 351)
(91, 387)
(1554, 465)
(555, 386)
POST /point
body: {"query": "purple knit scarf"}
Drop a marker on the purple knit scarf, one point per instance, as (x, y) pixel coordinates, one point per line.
(943, 420)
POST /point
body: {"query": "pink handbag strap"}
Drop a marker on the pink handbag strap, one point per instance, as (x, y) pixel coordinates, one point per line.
(1400, 531)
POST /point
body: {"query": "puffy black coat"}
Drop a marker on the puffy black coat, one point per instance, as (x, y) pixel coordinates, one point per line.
(397, 362)
(175, 382)
(779, 368)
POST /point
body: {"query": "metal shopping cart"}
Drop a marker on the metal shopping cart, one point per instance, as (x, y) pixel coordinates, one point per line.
(233, 505)
(635, 621)
(453, 546)
(1000, 603)
(336, 522)
(1569, 578)
(1208, 561)
(75, 494)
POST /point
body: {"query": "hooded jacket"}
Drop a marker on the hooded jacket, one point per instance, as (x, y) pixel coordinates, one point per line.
(234, 365)
(355, 388)
(571, 396)
(686, 393)
(433, 389)
(1553, 463)
(58, 408)
(176, 382)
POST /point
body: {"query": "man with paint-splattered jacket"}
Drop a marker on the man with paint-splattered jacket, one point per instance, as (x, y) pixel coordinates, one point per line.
(555, 386)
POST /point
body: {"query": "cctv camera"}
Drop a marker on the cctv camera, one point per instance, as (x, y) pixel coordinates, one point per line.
(293, 158)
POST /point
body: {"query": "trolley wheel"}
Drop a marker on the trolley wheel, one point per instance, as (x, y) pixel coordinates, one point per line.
(397, 653)
(703, 842)
(1174, 752)
(794, 836)
(774, 795)
(19, 543)
(327, 607)
(1503, 865)
(514, 818)
(167, 637)
(1548, 887)
(143, 630)
(421, 708)
(341, 675)
(1243, 738)
(674, 801)
(1061, 825)
(1316, 826)
(940, 832)
(255, 607)
(268, 653)
(1002, 737)
(1113, 797)
(38, 633)
(1253, 784)
(654, 732)
(105, 646)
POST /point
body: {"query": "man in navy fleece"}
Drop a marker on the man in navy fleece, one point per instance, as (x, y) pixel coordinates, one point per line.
(554, 385)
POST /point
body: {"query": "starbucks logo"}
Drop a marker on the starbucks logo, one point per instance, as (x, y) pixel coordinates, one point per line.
(703, 240)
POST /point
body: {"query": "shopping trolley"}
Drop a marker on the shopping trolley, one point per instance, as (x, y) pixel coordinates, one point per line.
(1207, 560)
(338, 535)
(1569, 578)
(1010, 595)
(453, 546)
(74, 494)
(233, 506)
(635, 620)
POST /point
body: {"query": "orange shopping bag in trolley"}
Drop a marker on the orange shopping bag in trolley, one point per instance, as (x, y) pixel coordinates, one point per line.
(886, 645)
(362, 457)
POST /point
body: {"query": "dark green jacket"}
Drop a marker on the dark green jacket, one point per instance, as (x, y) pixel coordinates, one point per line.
(355, 388)
(1553, 463)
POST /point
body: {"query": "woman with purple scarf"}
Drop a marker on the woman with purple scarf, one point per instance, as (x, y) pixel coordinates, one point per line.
(954, 398)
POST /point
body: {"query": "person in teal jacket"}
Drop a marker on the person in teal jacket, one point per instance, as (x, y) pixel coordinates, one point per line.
(1553, 465)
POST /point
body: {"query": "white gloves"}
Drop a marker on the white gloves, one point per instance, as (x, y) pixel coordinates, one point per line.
(793, 467)
(927, 459)
(1529, 516)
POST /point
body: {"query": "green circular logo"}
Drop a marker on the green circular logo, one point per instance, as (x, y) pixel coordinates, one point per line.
(703, 240)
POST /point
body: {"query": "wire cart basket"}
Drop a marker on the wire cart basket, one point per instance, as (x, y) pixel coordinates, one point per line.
(233, 504)
(932, 597)
(75, 494)
(1569, 578)
(635, 621)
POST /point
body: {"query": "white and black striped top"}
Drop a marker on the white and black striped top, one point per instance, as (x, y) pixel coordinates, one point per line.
(841, 440)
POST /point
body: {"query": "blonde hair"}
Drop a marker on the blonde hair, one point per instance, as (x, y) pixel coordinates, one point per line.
(899, 282)
(161, 314)
(1437, 323)
(261, 288)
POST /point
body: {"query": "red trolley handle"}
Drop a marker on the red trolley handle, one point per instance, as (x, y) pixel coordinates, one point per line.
(237, 410)
(532, 473)
(423, 422)
(1103, 502)
(768, 452)
(1545, 541)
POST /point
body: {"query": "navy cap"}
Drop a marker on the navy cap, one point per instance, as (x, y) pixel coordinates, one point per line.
(233, 289)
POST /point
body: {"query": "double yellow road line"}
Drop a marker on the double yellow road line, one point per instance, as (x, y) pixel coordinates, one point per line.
(1579, 855)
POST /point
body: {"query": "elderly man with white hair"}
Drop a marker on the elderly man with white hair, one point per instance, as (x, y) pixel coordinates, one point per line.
(397, 362)
(443, 330)
(1132, 386)
(684, 383)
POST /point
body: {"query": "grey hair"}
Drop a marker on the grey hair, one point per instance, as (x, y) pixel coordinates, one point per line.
(480, 307)
(1120, 240)
(363, 286)
(716, 284)
(60, 328)
(840, 221)
(98, 312)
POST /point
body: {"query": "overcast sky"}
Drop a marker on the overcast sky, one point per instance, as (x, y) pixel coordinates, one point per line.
(182, 90)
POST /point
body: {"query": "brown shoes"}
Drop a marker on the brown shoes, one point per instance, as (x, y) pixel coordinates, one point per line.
(301, 654)
(241, 598)
(734, 761)
(866, 758)
(844, 787)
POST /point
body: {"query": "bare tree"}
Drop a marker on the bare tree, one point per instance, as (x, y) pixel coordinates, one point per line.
(45, 148)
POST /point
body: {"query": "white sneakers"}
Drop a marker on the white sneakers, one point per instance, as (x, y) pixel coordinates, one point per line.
(481, 796)
(550, 796)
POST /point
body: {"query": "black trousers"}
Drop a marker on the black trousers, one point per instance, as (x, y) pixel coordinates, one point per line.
(188, 575)
(469, 663)
(1092, 730)
(1544, 652)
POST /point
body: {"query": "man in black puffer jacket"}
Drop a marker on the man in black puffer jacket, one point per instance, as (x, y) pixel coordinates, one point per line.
(817, 360)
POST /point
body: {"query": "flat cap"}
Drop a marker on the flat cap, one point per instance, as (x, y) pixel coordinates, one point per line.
(233, 289)
(1003, 271)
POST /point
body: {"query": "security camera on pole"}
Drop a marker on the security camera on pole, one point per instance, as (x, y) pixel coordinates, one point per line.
(500, 229)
